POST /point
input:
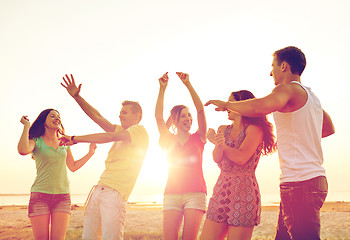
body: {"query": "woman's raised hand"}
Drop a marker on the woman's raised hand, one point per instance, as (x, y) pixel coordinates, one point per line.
(163, 81)
(215, 138)
(211, 135)
(25, 120)
(92, 148)
(72, 89)
(185, 78)
(219, 139)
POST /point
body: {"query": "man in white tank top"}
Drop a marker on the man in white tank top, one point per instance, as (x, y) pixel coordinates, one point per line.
(300, 123)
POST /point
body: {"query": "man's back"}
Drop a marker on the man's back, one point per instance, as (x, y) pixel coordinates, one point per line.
(299, 139)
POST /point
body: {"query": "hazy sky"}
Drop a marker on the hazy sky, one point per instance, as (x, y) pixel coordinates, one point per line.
(119, 49)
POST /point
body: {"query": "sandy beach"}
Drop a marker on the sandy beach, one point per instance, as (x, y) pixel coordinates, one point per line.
(146, 219)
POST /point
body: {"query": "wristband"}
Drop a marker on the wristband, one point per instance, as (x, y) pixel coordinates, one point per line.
(72, 139)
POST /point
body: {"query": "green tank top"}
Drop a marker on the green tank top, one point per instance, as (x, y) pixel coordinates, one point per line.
(51, 170)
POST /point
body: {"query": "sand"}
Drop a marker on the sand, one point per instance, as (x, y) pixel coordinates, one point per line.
(147, 218)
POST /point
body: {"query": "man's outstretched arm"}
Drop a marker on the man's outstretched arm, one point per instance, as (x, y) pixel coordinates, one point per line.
(74, 91)
(257, 107)
(96, 138)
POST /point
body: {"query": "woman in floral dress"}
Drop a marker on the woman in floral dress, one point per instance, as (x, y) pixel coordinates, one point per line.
(235, 207)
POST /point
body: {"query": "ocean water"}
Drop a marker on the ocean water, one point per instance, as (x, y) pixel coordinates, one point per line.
(267, 199)
(78, 199)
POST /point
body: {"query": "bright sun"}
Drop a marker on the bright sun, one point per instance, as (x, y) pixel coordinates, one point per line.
(155, 167)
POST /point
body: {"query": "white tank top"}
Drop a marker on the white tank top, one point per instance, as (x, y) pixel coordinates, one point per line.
(299, 136)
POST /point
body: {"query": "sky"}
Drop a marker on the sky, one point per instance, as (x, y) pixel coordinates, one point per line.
(117, 50)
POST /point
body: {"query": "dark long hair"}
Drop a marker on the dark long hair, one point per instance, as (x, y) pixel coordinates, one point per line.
(38, 127)
(269, 139)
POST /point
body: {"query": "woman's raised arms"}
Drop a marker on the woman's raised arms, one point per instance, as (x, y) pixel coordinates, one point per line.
(202, 123)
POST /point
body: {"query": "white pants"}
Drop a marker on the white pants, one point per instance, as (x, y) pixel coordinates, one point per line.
(104, 215)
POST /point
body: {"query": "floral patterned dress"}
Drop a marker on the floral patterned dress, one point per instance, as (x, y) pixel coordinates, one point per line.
(236, 196)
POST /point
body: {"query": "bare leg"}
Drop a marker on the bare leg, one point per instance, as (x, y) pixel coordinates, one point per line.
(213, 230)
(59, 223)
(192, 223)
(241, 233)
(40, 226)
(171, 224)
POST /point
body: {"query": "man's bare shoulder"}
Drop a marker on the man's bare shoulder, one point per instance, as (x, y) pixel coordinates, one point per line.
(285, 87)
(296, 93)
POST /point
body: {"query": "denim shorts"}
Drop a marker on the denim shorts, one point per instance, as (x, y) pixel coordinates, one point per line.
(179, 202)
(44, 203)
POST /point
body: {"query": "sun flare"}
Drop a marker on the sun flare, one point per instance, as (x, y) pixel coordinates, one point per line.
(155, 167)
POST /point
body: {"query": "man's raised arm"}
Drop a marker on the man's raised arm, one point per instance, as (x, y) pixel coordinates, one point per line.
(73, 90)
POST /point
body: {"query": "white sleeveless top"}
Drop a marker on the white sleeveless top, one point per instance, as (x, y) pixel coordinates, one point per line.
(299, 136)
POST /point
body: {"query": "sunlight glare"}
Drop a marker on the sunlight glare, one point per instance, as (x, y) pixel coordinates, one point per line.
(155, 167)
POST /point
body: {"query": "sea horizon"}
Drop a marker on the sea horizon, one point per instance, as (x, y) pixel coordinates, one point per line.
(268, 199)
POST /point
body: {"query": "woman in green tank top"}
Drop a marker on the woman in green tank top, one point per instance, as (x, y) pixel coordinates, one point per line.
(50, 194)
